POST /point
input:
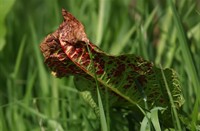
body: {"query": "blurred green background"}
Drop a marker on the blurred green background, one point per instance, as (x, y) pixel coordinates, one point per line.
(31, 99)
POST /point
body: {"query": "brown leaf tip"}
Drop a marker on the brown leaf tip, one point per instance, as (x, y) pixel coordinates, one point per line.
(71, 30)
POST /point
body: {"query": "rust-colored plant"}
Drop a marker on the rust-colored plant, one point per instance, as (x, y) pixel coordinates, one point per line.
(128, 79)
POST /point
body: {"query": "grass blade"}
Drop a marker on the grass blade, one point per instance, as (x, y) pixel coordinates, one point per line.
(101, 108)
(187, 57)
(19, 57)
(100, 21)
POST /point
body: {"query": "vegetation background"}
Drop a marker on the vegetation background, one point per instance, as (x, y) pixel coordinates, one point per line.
(31, 99)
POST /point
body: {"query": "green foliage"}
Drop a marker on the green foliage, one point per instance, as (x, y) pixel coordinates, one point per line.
(5, 6)
(31, 99)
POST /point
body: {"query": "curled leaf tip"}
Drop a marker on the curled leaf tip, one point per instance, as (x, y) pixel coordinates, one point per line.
(71, 30)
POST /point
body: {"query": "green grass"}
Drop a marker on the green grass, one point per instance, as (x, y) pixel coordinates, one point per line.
(31, 99)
